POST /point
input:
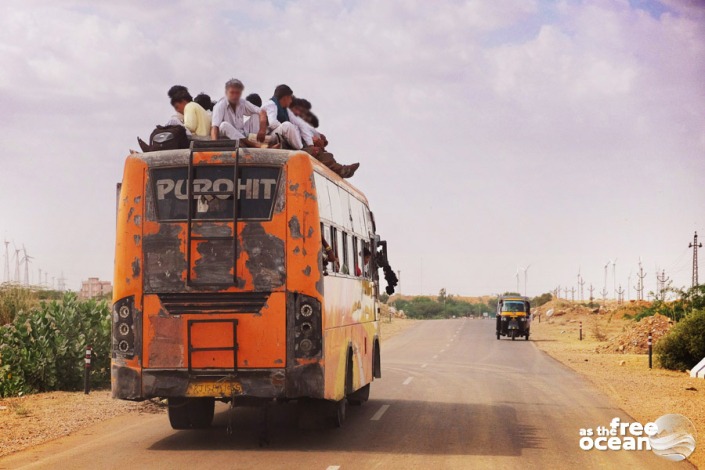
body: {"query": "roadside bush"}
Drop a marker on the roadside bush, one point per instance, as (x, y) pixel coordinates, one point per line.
(684, 345)
(43, 348)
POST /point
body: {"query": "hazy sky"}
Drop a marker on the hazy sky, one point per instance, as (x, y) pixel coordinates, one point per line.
(491, 134)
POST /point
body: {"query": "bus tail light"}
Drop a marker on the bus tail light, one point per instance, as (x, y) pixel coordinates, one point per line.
(124, 327)
(307, 327)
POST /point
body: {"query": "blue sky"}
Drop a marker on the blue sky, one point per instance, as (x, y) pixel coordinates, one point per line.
(491, 134)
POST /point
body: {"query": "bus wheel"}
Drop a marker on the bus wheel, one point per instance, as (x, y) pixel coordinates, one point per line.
(360, 396)
(201, 412)
(179, 413)
(339, 410)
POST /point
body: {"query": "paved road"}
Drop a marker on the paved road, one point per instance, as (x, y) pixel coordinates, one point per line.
(452, 396)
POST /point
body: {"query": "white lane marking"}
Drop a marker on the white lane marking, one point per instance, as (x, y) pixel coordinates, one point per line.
(408, 381)
(333, 467)
(435, 357)
(423, 366)
(377, 416)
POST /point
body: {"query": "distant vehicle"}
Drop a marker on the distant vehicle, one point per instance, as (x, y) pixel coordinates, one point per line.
(513, 317)
(221, 292)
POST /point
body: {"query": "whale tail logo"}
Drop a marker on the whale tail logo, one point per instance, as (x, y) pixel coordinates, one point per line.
(675, 439)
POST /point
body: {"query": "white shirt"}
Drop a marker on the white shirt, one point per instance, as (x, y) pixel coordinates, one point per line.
(224, 112)
(270, 107)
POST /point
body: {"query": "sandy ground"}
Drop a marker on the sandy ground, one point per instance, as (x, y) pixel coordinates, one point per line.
(645, 394)
(33, 419)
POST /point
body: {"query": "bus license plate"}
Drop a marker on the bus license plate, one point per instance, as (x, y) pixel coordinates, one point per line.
(213, 389)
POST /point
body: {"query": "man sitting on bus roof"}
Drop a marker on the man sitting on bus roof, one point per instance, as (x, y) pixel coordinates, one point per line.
(196, 120)
(277, 117)
(229, 113)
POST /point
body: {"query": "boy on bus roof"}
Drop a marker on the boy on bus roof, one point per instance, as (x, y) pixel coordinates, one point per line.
(196, 120)
(277, 117)
(255, 99)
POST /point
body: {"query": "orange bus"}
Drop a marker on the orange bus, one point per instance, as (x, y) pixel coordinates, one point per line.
(221, 288)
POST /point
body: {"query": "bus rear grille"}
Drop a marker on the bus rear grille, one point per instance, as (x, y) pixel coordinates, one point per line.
(229, 302)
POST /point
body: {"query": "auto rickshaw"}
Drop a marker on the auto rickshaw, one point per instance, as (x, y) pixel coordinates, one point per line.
(513, 317)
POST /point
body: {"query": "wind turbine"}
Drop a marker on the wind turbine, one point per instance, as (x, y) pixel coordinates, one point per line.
(609, 261)
(517, 276)
(17, 265)
(614, 276)
(25, 260)
(7, 262)
(526, 276)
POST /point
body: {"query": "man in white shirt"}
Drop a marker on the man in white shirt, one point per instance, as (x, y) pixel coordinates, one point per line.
(229, 113)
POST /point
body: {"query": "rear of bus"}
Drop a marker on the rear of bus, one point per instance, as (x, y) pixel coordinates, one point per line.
(215, 299)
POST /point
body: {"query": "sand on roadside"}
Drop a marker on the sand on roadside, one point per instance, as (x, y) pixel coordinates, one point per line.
(645, 394)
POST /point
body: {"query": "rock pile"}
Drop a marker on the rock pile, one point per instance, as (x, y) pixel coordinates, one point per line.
(634, 339)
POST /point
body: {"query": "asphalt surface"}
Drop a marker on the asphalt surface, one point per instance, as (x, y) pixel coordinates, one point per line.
(451, 396)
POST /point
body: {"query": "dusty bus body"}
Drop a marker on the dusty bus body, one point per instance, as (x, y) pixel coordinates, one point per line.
(221, 300)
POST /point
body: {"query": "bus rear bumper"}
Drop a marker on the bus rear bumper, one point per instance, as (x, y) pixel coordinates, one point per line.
(301, 381)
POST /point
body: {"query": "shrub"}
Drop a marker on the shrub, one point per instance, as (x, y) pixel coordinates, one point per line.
(684, 345)
(43, 348)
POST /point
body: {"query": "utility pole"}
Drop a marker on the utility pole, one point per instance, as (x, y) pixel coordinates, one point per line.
(398, 281)
(62, 283)
(604, 296)
(661, 281)
(572, 294)
(565, 293)
(582, 289)
(518, 291)
(629, 287)
(695, 245)
(640, 282)
(620, 294)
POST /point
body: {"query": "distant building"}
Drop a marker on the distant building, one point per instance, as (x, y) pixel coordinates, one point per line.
(94, 287)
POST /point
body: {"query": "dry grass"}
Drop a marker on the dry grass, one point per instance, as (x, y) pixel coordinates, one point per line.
(644, 393)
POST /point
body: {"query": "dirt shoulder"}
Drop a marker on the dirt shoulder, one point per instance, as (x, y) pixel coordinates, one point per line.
(30, 420)
(643, 393)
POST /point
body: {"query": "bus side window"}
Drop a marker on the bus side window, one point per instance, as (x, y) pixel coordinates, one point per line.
(334, 245)
(366, 268)
(345, 267)
(356, 257)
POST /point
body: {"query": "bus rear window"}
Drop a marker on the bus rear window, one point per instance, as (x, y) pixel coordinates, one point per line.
(213, 192)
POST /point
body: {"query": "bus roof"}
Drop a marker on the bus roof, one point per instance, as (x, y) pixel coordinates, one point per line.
(271, 156)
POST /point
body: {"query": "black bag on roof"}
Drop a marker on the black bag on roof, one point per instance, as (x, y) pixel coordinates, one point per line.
(165, 138)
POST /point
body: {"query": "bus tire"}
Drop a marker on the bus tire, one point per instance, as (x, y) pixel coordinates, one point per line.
(179, 413)
(201, 411)
(358, 397)
(376, 361)
(339, 412)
